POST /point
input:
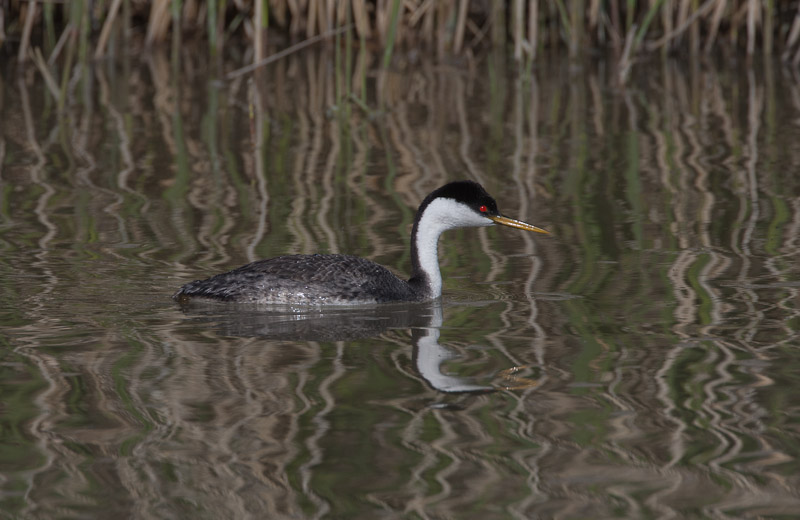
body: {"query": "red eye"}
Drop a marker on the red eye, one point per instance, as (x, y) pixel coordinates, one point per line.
(483, 209)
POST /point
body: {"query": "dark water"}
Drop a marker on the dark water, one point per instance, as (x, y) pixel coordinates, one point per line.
(643, 361)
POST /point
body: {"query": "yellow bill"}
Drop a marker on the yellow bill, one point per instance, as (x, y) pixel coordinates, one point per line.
(510, 222)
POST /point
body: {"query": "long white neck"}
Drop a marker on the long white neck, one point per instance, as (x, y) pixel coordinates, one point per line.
(436, 218)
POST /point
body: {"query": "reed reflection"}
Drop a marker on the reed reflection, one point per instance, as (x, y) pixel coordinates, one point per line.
(666, 364)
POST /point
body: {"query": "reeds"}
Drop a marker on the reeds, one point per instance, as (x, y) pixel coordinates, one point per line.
(629, 28)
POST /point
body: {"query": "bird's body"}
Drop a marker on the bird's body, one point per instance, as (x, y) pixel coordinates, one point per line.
(350, 280)
(305, 280)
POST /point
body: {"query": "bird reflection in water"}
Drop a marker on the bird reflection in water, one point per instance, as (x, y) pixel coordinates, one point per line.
(350, 324)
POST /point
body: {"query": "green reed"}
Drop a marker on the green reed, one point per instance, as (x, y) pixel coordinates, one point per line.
(212, 25)
(392, 35)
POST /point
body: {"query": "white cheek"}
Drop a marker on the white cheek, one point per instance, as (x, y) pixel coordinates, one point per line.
(439, 216)
(444, 214)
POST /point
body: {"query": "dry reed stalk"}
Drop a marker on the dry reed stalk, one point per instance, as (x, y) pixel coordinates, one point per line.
(286, 52)
(259, 32)
(311, 20)
(425, 13)
(716, 19)
(666, 16)
(30, 15)
(517, 14)
(106, 31)
(158, 22)
(343, 15)
(576, 28)
(445, 15)
(60, 44)
(329, 18)
(52, 86)
(361, 18)
(316, 12)
(794, 35)
(278, 12)
(533, 27)
(418, 12)
(752, 15)
(478, 33)
(71, 51)
(687, 23)
(296, 18)
(460, 26)
(626, 60)
(381, 20)
(594, 14)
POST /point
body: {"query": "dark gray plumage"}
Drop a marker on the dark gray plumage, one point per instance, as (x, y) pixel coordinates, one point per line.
(305, 280)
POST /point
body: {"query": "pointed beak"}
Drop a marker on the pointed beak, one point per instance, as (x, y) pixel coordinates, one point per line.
(510, 222)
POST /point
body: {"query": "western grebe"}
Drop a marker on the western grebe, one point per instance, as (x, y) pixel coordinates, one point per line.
(350, 280)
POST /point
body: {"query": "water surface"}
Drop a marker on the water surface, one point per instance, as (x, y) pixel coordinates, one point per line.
(642, 361)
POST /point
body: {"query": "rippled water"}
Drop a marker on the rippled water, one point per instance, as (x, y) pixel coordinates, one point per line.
(642, 361)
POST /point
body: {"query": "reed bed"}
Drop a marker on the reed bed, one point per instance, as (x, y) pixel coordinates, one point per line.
(257, 28)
